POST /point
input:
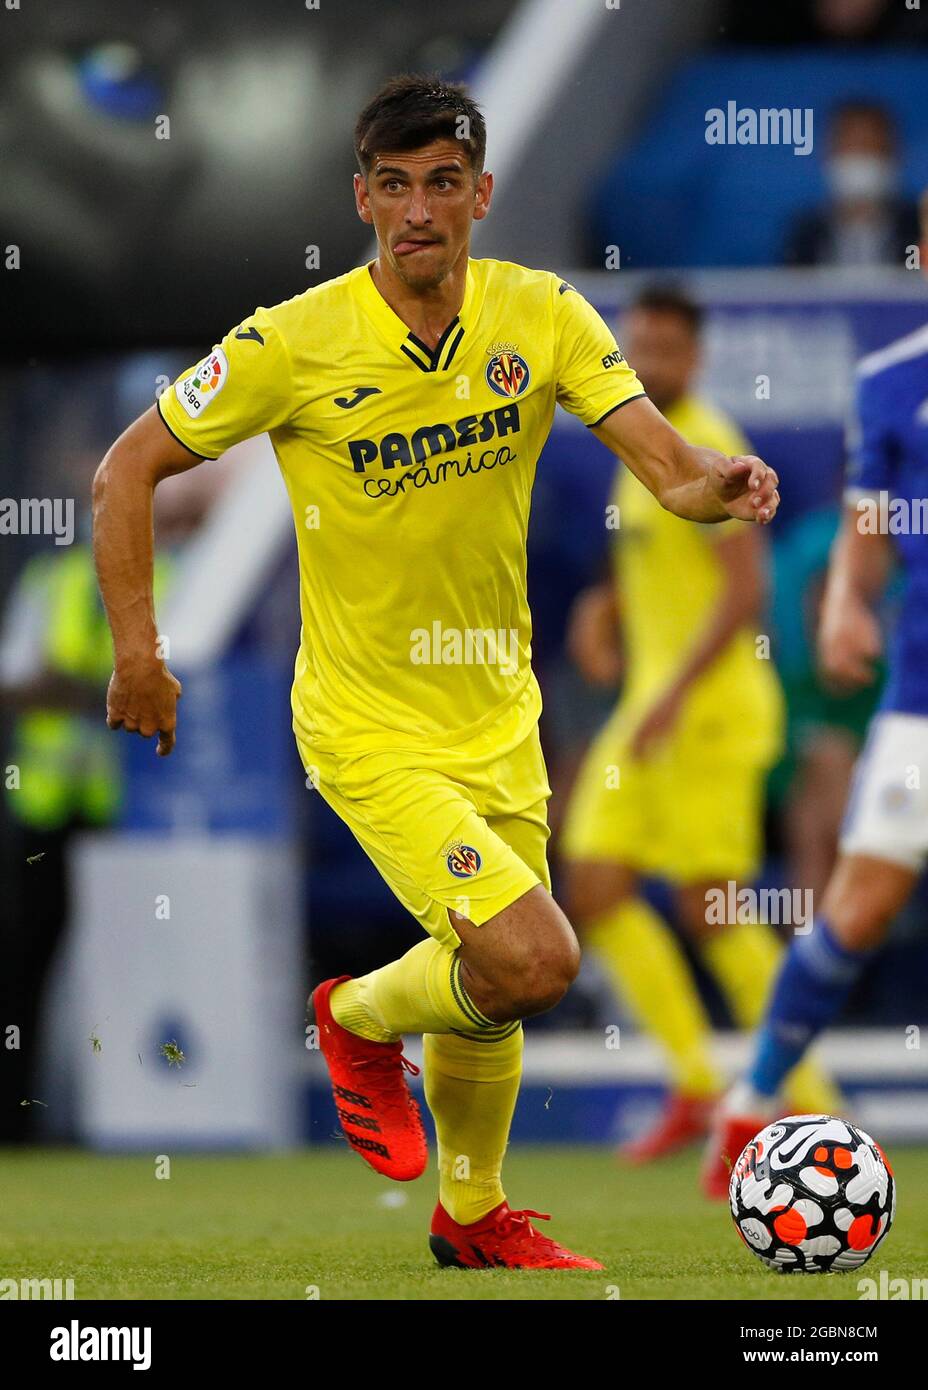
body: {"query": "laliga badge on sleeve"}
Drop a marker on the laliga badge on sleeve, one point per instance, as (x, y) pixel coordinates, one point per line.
(195, 392)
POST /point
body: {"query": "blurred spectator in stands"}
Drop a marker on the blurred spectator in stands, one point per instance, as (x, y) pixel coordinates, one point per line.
(829, 21)
(866, 222)
(64, 774)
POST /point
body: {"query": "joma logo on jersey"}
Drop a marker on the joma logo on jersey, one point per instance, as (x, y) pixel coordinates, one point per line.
(396, 448)
(507, 374)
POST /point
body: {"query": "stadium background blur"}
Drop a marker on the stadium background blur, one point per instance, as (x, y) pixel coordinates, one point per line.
(201, 905)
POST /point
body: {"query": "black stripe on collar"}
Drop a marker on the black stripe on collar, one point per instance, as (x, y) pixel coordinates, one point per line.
(433, 355)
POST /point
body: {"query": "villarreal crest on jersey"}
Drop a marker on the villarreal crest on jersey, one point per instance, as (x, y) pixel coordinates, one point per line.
(410, 472)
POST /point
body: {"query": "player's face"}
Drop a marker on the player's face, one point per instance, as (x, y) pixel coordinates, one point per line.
(422, 204)
(663, 350)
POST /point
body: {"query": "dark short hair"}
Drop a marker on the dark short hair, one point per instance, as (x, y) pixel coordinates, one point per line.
(666, 297)
(414, 110)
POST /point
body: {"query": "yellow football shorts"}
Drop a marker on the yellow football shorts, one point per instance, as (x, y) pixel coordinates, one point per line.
(691, 811)
(461, 829)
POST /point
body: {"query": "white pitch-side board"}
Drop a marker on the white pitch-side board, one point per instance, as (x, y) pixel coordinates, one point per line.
(186, 940)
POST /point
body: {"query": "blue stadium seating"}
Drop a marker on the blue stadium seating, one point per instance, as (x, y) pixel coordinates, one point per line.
(668, 200)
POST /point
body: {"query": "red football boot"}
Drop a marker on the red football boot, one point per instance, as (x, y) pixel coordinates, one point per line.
(379, 1118)
(503, 1238)
(683, 1120)
(730, 1134)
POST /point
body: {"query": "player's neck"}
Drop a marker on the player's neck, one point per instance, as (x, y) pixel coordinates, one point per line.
(426, 313)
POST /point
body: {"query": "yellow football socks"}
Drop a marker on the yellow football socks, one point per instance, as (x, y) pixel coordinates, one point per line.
(422, 992)
(471, 1086)
(645, 963)
(743, 958)
(472, 1065)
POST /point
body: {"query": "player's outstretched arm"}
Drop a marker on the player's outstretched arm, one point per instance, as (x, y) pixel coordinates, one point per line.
(142, 694)
(698, 484)
(850, 641)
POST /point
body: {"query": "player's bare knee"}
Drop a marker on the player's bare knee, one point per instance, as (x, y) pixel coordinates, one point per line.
(541, 964)
(862, 899)
(522, 961)
(546, 973)
(538, 991)
(857, 925)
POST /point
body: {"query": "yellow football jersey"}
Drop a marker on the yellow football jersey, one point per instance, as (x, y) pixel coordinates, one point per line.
(410, 474)
(669, 578)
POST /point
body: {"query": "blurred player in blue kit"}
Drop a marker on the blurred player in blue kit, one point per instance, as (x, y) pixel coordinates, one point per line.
(884, 836)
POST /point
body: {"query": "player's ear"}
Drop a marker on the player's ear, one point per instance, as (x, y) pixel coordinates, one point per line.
(483, 192)
(362, 200)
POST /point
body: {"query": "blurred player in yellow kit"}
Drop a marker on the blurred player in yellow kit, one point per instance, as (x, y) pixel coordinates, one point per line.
(673, 785)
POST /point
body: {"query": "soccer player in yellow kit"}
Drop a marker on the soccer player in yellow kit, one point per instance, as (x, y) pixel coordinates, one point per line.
(673, 785)
(407, 402)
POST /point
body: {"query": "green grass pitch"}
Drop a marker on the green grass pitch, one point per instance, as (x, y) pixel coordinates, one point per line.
(276, 1227)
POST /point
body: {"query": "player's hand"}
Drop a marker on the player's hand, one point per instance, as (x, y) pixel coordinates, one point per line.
(746, 487)
(657, 724)
(592, 642)
(142, 699)
(850, 643)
